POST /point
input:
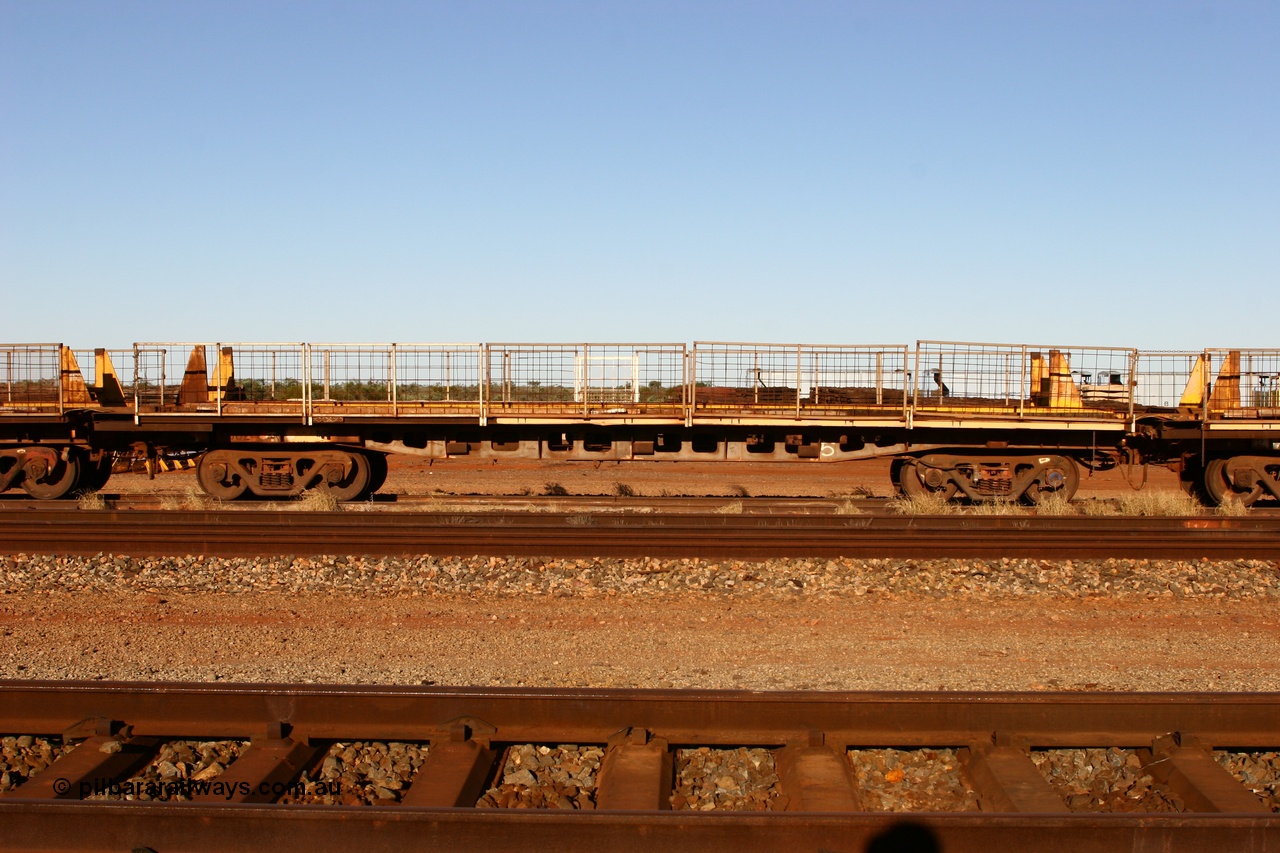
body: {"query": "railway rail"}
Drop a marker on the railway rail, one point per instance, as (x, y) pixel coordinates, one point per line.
(1182, 742)
(560, 534)
(500, 503)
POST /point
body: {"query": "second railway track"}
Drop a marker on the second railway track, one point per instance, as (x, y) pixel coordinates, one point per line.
(105, 740)
(562, 534)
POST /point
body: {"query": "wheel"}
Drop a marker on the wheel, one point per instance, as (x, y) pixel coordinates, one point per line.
(909, 481)
(1069, 475)
(895, 473)
(57, 482)
(377, 471)
(353, 484)
(1220, 489)
(1191, 479)
(94, 475)
(216, 475)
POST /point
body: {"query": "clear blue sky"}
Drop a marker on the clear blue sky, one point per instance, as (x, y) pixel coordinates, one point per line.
(864, 172)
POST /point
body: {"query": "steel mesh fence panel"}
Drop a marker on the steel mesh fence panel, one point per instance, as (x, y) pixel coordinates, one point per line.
(1025, 381)
(586, 378)
(843, 379)
(270, 377)
(531, 376)
(439, 375)
(159, 375)
(120, 362)
(1161, 379)
(799, 380)
(267, 378)
(351, 373)
(1246, 383)
(759, 378)
(30, 376)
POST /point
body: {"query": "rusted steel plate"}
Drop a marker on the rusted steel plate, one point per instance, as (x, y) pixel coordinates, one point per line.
(150, 533)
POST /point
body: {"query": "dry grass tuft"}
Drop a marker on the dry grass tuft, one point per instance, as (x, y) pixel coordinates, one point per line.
(739, 491)
(1231, 507)
(554, 490)
(732, 508)
(91, 500)
(1098, 507)
(1056, 504)
(315, 500)
(999, 507)
(622, 490)
(846, 507)
(1159, 504)
(580, 520)
(857, 493)
(929, 504)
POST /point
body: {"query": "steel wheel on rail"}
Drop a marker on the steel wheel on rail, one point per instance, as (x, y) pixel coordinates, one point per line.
(895, 473)
(94, 475)
(215, 472)
(913, 485)
(351, 485)
(54, 482)
(377, 471)
(1191, 479)
(1061, 478)
(1220, 489)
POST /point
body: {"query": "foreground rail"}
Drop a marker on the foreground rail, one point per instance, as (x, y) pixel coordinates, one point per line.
(120, 727)
(715, 536)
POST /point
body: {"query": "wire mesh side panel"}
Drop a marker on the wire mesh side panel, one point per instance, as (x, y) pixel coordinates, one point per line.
(746, 378)
(1245, 384)
(1162, 380)
(266, 379)
(110, 374)
(438, 378)
(30, 376)
(850, 380)
(258, 378)
(160, 382)
(586, 379)
(800, 380)
(1023, 381)
(352, 379)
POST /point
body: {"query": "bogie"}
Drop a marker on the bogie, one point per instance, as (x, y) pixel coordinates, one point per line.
(228, 474)
(988, 477)
(1242, 479)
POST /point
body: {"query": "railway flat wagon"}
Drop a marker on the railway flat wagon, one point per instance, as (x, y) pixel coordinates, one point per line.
(970, 421)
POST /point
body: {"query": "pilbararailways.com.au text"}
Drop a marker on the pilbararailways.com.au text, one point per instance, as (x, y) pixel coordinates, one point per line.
(192, 788)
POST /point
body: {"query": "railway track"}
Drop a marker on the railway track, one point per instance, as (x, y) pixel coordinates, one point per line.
(636, 794)
(494, 503)
(560, 534)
